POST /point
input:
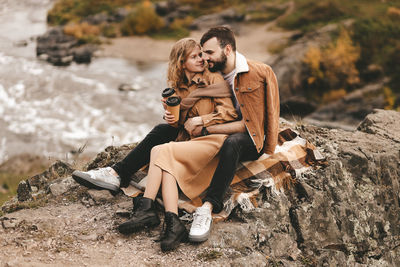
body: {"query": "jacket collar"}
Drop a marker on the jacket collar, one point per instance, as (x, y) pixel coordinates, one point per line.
(198, 79)
(241, 63)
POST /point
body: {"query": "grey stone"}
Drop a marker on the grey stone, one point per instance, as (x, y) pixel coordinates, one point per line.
(100, 196)
(62, 186)
(24, 191)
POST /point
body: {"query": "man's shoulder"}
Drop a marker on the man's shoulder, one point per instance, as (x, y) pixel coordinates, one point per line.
(255, 65)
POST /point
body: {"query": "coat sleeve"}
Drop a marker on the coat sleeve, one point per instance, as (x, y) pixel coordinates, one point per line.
(224, 112)
(271, 125)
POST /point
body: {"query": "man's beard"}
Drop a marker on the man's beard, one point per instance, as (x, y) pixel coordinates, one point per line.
(220, 64)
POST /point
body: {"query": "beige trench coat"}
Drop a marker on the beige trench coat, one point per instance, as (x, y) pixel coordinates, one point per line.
(192, 161)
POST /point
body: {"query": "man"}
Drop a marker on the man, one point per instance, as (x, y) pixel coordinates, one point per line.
(256, 98)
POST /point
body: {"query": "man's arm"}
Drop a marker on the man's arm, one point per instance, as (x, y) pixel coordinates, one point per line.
(222, 128)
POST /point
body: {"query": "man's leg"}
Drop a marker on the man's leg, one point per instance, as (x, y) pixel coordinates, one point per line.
(107, 178)
(237, 147)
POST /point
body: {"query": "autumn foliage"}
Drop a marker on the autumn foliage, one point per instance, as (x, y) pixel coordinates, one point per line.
(332, 70)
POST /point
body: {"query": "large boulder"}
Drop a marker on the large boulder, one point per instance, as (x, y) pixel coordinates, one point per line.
(61, 49)
(346, 214)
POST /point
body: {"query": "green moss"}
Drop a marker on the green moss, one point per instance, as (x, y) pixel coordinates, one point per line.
(209, 255)
(9, 182)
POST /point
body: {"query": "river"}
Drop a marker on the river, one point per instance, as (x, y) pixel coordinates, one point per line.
(53, 111)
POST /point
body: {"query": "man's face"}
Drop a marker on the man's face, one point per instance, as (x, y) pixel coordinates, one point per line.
(214, 55)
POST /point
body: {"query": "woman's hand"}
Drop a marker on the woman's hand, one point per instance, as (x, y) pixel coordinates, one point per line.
(192, 123)
(163, 103)
(169, 118)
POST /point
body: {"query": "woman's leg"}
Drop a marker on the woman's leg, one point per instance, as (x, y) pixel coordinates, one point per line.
(154, 176)
(169, 192)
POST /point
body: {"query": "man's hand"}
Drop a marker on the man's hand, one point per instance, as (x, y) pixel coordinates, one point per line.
(169, 118)
(192, 123)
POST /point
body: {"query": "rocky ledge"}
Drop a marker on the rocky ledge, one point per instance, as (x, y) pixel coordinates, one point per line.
(346, 214)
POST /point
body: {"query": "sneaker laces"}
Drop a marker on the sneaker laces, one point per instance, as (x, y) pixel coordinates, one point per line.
(103, 171)
(200, 219)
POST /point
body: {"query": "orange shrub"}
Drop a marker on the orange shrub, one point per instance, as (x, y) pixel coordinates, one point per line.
(332, 67)
(393, 12)
(142, 20)
(80, 30)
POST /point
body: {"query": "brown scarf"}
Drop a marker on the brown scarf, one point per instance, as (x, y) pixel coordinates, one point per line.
(214, 90)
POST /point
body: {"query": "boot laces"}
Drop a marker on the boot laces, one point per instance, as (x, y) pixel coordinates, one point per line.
(166, 228)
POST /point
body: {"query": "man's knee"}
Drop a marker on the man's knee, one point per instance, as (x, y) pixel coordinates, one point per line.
(233, 143)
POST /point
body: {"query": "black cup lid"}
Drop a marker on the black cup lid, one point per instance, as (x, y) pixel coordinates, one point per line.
(168, 92)
(173, 101)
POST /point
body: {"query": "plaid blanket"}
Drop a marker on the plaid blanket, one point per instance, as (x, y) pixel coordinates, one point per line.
(293, 156)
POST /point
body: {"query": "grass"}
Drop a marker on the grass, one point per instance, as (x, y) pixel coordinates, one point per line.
(9, 182)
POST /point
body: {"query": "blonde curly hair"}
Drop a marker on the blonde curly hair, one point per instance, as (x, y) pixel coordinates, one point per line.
(179, 54)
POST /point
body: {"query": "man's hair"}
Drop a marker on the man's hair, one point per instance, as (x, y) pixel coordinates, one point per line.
(223, 34)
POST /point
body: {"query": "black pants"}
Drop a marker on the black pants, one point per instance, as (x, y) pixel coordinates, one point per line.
(140, 155)
(237, 147)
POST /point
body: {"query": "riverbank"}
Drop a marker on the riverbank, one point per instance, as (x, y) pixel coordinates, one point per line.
(253, 40)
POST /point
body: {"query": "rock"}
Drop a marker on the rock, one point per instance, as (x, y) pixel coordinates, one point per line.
(62, 186)
(21, 43)
(288, 65)
(83, 54)
(60, 49)
(228, 16)
(110, 156)
(100, 196)
(9, 223)
(58, 170)
(350, 110)
(24, 191)
(344, 214)
(373, 73)
(127, 87)
(97, 19)
(163, 8)
(377, 123)
(297, 106)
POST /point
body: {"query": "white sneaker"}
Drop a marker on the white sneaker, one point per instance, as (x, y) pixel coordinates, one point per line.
(201, 225)
(98, 179)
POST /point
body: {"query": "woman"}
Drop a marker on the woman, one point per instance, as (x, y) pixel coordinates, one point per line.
(188, 162)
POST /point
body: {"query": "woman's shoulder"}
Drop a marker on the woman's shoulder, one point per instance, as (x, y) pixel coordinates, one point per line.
(212, 77)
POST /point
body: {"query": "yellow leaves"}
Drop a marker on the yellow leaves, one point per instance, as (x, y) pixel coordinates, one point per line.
(142, 20)
(340, 58)
(313, 60)
(390, 98)
(333, 95)
(393, 12)
(332, 69)
(81, 30)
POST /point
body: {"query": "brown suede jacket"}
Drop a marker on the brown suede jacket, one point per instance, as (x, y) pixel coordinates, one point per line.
(256, 90)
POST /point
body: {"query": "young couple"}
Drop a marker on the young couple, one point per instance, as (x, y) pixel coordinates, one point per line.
(229, 113)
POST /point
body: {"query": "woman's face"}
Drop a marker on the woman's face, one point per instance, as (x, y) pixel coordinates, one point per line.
(194, 62)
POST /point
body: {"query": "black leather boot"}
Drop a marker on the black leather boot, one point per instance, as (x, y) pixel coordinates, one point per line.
(174, 233)
(144, 215)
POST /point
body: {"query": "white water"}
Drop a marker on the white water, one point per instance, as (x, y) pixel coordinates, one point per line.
(51, 111)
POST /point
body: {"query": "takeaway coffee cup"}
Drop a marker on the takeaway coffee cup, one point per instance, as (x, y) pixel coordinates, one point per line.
(173, 104)
(167, 92)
